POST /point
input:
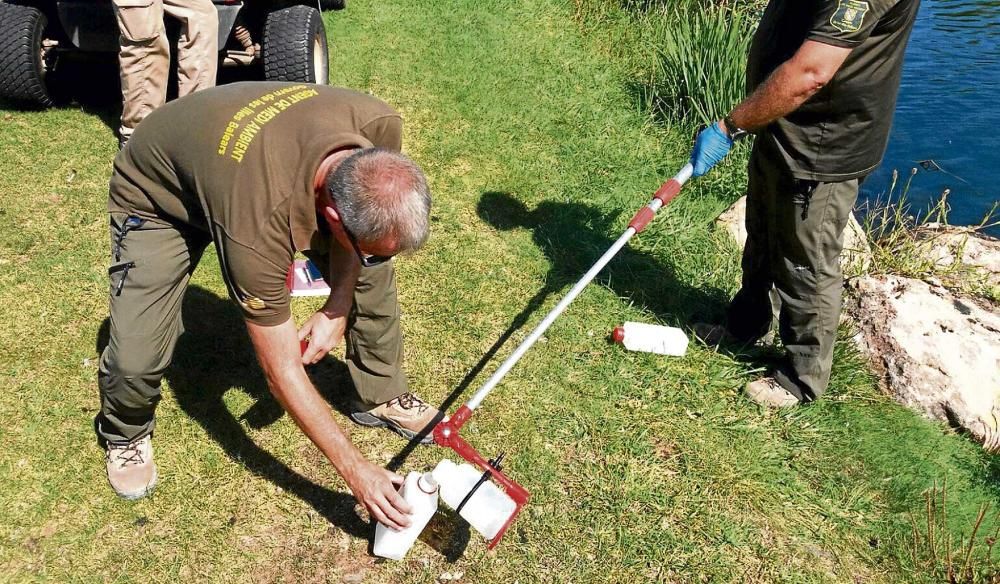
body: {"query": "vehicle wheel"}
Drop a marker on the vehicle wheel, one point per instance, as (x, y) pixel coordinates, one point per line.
(294, 47)
(22, 67)
(332, 4)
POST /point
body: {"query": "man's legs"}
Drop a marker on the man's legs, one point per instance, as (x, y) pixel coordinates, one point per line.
(374, 339)
(198, 44)
(143, 58)
(151, 266)
(791, 266)
(750, 313)
(375, 359)
(375, 355)
(810, 221)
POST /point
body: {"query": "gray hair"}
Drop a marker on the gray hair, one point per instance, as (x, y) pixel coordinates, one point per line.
(380, 193)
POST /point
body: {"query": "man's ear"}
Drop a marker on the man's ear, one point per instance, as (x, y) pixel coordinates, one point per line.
(330, 214)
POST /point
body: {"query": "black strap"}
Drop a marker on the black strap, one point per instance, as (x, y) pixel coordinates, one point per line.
(496, 465)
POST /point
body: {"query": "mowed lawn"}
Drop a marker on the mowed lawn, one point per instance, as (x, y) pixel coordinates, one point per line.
(642, 468)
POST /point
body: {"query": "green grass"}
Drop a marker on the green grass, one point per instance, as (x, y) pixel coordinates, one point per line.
(641, 468)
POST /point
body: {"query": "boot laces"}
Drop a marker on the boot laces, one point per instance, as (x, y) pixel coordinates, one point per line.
(408, 401)
(127, 454)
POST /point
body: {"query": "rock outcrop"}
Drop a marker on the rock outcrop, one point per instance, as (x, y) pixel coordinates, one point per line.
(947, 244)
(855, 259)
(936, 352)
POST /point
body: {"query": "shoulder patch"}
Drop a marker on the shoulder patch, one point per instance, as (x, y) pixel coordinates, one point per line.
(248, 301)
(849, 15)
(253, 303)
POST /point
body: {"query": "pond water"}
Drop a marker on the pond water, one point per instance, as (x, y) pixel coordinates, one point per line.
(948, 111)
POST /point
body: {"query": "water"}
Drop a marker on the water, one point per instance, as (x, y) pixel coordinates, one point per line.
(949, 110)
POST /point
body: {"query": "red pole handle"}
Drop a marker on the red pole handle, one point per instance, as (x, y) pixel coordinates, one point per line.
(665, 194)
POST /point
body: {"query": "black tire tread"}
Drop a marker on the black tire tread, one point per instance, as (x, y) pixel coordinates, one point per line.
(21, 28)
(287, 38)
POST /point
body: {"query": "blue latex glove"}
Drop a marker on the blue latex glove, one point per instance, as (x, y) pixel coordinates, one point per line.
(711, 146)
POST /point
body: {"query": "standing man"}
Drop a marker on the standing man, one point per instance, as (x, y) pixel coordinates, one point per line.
(264, 170)
(823, 77)
(144, 54)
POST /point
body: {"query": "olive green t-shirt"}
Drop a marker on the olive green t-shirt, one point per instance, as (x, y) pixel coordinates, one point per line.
(238, 163)
(841, 132)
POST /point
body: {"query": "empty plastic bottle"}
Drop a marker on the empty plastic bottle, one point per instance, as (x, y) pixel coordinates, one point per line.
(486, 510)
(421, 492)
(651, 338)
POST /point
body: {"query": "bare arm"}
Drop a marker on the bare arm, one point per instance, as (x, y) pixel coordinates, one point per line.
(326, 327)
(277, 351)
(790, 85)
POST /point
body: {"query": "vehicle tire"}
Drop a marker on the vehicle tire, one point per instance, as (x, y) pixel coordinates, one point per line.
(333, 4)
(22, 68)
(294, 47)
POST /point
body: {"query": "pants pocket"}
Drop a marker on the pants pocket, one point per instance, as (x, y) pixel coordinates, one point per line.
(139, 20)
(803, 194)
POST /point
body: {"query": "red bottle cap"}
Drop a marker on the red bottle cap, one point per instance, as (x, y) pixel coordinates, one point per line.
(618, 334)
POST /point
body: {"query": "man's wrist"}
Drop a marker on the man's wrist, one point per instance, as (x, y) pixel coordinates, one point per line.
(732, 129)
(334, 310)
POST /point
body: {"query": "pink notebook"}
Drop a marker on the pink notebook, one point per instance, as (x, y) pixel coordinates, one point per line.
(304, 279)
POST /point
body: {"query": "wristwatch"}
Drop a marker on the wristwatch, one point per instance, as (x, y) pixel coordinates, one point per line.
(736, 133)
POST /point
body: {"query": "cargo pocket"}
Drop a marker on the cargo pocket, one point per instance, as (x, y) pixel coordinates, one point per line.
(139, 20)
(118, 273)
(803, 194)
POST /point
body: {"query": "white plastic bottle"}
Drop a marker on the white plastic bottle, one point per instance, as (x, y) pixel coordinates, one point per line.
(421, 492)
(651, 338)
(486, 510)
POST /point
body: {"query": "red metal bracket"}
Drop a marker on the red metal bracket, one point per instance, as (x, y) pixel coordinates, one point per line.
(446, 434)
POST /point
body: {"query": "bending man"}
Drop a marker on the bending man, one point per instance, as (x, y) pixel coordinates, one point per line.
(264, 170)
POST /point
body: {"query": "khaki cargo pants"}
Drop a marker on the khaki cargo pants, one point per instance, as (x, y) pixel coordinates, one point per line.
(791, 268)
(151, 265)
(144, 56)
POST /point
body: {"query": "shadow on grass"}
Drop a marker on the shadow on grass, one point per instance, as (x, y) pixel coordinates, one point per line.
(93, 85)
(90, 85)
(215, 356)
(573, 236)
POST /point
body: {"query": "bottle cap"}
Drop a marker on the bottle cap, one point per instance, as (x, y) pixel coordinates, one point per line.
(618, 334)
(427, 483)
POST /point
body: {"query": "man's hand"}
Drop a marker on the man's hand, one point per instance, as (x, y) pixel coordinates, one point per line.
(711, 146)
(324, 332)
(374, 488)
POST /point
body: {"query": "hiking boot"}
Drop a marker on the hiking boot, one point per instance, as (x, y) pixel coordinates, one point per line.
(407, 415)
(767, 392)
(131, 470)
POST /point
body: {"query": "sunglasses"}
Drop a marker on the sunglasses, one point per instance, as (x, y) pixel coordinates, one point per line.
(366, 260)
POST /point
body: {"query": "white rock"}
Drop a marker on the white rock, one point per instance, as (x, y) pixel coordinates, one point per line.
(947, 243)
(855, 259)
(936, 352)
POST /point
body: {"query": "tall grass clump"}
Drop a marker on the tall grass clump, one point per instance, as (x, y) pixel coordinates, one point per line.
(701, 53)
(935, 551)
(687, 57)
(903, 239)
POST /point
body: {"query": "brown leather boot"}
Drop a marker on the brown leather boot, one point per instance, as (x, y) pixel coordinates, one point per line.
(407, 415)
(131, 470)
(766, 391)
